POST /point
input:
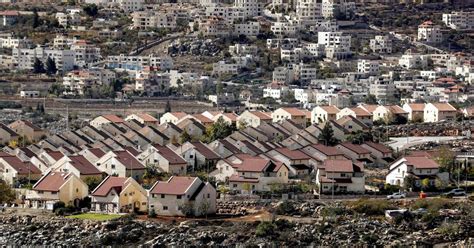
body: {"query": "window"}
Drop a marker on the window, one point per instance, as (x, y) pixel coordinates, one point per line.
(208, 195)
(143, 203)
(54, 193)
(235, 185)
(162, 196)
(178, 197)
(165, 207)
(343, 174)
(112, 166)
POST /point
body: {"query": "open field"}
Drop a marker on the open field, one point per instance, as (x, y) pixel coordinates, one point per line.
(98, 217)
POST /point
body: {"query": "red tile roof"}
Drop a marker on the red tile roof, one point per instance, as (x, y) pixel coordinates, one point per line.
(379, 147)
(397, 110)
(174, 186)
(147, 118)
(117, 183)
(52, 181)
(239, 179)
(327, 150)
(97, 152)
(132, 150)
(261, 115)
(23, 168)
(360, 111)
(330, 109)
(128, 160)
(338, 165)
(203, 119)
(205, 151)
(170, 155)
(445, 107)
(355, 148)
(294, 111)
(421, 162)
(417, 107)
(292, 154)
(56, 155)
(83, 165)
(113, 118)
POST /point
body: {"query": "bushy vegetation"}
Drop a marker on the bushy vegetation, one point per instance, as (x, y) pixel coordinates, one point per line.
(285, 208)
(370, 206)
(265, 229)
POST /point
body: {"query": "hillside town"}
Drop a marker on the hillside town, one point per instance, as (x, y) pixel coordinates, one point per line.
(237, 122)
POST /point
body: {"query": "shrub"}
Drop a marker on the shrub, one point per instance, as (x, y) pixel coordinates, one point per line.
(432, 205)
(332, 211)
(58, 205)
(265, 229)
(370, 206)
(152, 213)
(285, 208)
(448, 228)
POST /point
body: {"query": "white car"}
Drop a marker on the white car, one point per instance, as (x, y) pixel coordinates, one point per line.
(398, 195)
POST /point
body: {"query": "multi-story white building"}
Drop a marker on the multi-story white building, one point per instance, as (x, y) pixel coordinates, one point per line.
(329, 8)
(410, 61)
(304, 73)
(134, 63)
(85, 52)
(25, 58)
(459, 20)
(304, 96)
(329, 25)
(151, 82)
(382, 88)
(336, 44)
(368, 67)
(430, 33)
(283, 75)
(10, 42)
(250, 8)
(249, 28)
(158, 19)
(275, 90)
(284, 28)
(68, 19)
(214, 26)
(221, 68)
(129, 5)
(308, 12)
(381, 44)
(242, 50)
(77, 82)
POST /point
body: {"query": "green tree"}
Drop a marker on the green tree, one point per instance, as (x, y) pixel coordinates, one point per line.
(184, 137)
(425, 183)
(36, 21)
(168, 107)
(91, 9)
(38, 66)
(445, 158)
(247, 187)
(51, 66)
(7, 194)
(370, 99)
(218, 130)
(327, 135)
(92, 182)
(409, 182)
(223, 190)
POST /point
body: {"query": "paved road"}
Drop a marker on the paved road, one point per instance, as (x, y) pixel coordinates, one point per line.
(402, 143)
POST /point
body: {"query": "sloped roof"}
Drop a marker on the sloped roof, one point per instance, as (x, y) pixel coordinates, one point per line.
(294, 111)
(117, 183)
(292, 154)
(52, 181)
(113, 118)
(379, 147)
(56, 155)
(330, 109)
(83, 165)
(338, 165)
(421, 162)
(327, 150)
(359, 111)
(205, 151)
(97, 152)
(203, 119)
(445, 107)
(229, 146)
(176, 185)
(355, 148)
(128, 160)
(147, 117)
(8, 130)
(21, 167)
(237, 178)
(170, 155)
(395, 109)
(417, 107)
(261, 115)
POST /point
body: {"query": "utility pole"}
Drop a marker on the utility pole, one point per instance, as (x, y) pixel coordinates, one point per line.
(67, 117)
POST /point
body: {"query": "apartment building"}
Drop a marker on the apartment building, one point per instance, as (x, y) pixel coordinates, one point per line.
(76, 82)
(250, 8)
(151, 19)
(24, 58)
(336, 44)
(429, 33)
(136, 63)
(249, 28)
(382, 88)
(308, 12)
(381, 44)
(459, 20)
(9, 41)
(151, 82)
(368, 67)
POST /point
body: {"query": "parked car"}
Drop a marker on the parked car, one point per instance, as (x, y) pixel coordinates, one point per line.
(456, 192)
(398, 195)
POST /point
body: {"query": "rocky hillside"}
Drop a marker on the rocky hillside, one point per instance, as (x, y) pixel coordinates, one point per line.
(334, 226)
